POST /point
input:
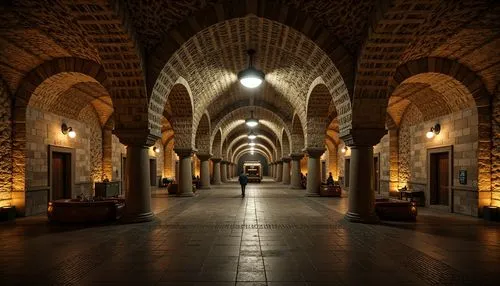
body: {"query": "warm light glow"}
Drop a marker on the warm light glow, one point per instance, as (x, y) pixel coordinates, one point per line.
(429, 134)
(252, 152)
(251, 81)
(251, 144)
(251, 135)
(252, 122)
(156, 149)
(72, 134)
(343, 150)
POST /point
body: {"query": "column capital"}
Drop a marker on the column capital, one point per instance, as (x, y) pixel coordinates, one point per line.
(224, 162)
(216, 160)
(286, 159)
(184, 152)
(136, 137)
(314, 152)
(279, 162)
(363, 136)
(203, 156)
(296, 156)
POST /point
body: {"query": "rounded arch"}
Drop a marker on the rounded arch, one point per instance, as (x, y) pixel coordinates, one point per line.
(260, 147)
(318, 112)
(216, 145)
(179, 112)
(47, 80)
(260, 137)
(445, 86)
(202, 139)
(298, 141)
(248, 151)
(285, 142)
(243, 141)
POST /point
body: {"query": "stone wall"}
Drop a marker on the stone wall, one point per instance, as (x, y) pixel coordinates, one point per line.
(118, 149)
(44, 129)
(495, 172)
(5, 147)
(382, 150)
(458, 130)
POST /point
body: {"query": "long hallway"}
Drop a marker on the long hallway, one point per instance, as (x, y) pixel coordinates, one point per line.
(273, 236)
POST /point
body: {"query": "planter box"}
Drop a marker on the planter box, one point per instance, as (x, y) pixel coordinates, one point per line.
(390, 209)
(7, 213)
(491, 213)
(75, 211)
(172, 189)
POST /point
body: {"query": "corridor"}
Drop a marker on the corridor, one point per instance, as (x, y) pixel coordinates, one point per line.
(273, 236)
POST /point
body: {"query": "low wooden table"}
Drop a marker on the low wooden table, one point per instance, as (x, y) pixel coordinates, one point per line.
(330, 191)
(75, 211)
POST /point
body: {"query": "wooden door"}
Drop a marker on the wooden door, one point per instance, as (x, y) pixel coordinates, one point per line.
(439, 179)
(61, 176)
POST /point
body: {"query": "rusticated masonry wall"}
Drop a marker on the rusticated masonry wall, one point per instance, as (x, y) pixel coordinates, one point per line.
(118, 149)
(458, 130)
(5, 147)
(44, 129)
(495, 172)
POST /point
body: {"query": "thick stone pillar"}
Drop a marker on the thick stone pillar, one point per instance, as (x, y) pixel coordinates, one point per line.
(270, 170)
(361, 195)
(286, 170)
(296, 183)
(138, 189)
(314, 171)
(223, 171)
(217, 168)
(279, 175)
(185, 184)
(204, 170)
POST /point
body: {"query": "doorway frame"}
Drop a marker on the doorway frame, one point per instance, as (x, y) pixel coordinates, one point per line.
(377, 156)
(72, 158)
(430, 151)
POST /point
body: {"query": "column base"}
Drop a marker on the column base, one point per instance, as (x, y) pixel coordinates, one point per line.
(137, 218)
(295, 188)
(358, 218)
(205, 188)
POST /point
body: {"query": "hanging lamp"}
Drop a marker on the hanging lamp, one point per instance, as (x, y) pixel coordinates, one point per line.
(251, 135)
(251, 122)
(251, 77)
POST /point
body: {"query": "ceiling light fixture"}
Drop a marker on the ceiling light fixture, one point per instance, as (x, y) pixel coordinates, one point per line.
(251, 144)
(251, 122)
(251, 135)
(251, 77)
(434, 131)
(66, 130)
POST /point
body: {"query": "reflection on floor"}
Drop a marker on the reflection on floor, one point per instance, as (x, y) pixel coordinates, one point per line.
(273, 236)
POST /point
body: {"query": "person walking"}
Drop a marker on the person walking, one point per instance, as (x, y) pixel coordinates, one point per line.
(243, 179)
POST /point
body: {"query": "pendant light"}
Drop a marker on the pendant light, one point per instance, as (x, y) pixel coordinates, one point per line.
(251, 77)
(251, 135)
(251, 122)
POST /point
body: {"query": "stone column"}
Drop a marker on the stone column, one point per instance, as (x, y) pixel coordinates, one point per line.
(295, 174)
(223, 171)
(217, 168)
(204, 170)
(275, 167)
(185, 184)
(361, 196)
(138, 189)
(270, 170)
(314, 171)
(286, 170)
(279, 175)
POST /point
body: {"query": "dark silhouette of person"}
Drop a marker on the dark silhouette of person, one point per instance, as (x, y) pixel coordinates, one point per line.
(243, 179)
(329, 181)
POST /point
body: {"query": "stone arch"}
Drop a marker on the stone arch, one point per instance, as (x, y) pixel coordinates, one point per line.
(285, 141)
(188, 60)
(242, 141)
(202, 140)
(66, 72)
(258, 146)
(216, 145)
(318, 110)
(457, 87)
(298, 142)
(179, 112)
(332, 159)
(247, 151)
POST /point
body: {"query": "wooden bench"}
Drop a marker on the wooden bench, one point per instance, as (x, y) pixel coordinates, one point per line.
(392, 209)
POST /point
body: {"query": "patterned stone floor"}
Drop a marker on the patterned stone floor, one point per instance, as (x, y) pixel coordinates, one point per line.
(273, 236)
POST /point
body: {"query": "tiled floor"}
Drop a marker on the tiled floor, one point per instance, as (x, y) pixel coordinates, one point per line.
(273, 236)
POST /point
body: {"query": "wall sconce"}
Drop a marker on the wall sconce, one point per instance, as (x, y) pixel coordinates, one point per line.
(434, 131)
(343, 150)
(156, 149)
(66, 130)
